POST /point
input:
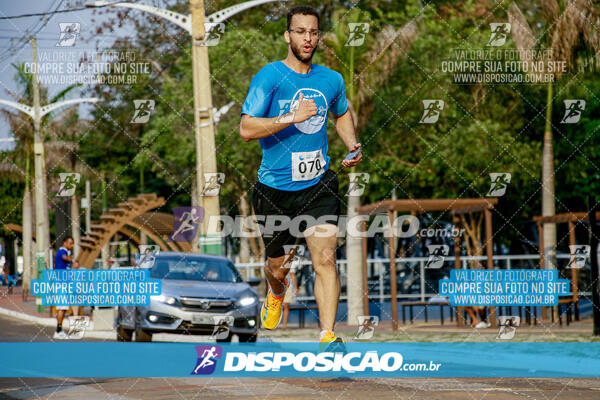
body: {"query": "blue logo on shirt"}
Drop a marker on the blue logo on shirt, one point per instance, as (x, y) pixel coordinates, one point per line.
(314, 123)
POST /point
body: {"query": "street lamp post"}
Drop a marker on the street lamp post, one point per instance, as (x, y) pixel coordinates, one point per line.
(37, 112)
(204, 114)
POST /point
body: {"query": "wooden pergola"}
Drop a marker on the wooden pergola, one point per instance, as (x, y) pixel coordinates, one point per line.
(570, 218)
(419, 206)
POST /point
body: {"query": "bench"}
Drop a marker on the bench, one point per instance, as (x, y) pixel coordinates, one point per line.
(425, 304)
(568, 303)
(302, 307)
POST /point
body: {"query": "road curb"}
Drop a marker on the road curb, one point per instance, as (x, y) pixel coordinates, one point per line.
(26, 317)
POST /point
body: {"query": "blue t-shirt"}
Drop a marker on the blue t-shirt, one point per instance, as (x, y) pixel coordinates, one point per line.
(295, 158)
(59, 263)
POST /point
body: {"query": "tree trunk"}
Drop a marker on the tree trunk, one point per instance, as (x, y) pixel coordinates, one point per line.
(75, 225)
(196, 202)
(548, 201)
(472, 227)
(244, 242)
(256, 243)
(46, 218)
(354, 270)
(27, 241)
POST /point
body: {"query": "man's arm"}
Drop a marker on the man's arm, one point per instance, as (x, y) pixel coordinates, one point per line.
(345, 129)
(257, 128)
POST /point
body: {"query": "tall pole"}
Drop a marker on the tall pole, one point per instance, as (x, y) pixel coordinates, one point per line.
(594, 265)
(88, 210)
(206, 162)
(38, 149)
(354, 265)
(105, 249)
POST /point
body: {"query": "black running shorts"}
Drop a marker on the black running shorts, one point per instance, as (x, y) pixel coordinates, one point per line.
(316, 201)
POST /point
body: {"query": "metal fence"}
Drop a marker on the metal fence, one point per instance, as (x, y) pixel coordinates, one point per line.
(415, 281)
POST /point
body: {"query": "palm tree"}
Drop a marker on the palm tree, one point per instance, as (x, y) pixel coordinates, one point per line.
(572, 33)
(16, 164)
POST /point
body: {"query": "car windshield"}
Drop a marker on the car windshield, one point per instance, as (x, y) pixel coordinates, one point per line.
(194, 269)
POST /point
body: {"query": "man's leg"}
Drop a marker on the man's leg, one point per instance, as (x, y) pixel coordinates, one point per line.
(322, 242)
(276, 274)
(60, 315)
(276, 270)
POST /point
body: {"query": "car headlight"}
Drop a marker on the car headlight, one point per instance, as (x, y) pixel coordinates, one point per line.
(164, 299)
(246, 301)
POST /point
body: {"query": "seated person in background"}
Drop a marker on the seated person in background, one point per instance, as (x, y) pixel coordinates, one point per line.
(477, 315)
(8, 279)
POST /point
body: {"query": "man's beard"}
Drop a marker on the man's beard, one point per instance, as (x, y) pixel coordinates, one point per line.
(297, 51)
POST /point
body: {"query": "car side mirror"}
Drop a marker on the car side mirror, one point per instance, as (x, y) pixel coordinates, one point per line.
(253, 281)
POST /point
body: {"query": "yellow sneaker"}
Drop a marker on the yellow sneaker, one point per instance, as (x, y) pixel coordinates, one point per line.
(270, 312)
(332, 343)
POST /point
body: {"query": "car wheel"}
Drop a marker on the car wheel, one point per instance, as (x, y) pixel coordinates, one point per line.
(246, 338)
(226, 339)
(124, 334)
(141, 335)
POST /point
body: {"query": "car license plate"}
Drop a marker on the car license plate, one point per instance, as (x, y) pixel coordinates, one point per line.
(208, 319)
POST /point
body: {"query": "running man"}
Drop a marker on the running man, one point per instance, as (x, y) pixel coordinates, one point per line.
(294, 177)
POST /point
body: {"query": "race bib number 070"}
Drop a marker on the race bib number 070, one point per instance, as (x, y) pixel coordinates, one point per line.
(307, 165)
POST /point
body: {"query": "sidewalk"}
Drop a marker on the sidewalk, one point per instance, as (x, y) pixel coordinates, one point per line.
(13, 305)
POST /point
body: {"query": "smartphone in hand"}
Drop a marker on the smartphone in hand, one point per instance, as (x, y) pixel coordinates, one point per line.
(351, 155)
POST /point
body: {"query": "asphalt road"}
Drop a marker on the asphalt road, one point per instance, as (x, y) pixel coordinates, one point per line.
(198, 388)
(299, 388)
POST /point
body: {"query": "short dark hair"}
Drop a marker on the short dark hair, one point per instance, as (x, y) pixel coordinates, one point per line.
(67, 238)
(303, 10)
